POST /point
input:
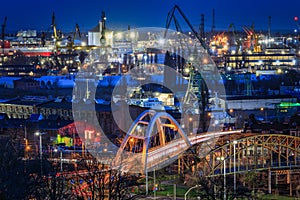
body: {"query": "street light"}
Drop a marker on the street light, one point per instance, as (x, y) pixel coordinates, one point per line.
(190, 190)
(60, 151)
(224, 171)
(40, 134)
(234, 167)
(154, 184)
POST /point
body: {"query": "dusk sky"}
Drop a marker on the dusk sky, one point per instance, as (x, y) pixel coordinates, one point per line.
(36, 14)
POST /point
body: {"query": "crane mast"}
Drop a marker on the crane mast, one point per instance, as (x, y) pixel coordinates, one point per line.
(3, 37)
(54, 27)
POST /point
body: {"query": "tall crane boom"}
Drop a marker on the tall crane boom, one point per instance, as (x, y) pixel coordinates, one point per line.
(171, 15)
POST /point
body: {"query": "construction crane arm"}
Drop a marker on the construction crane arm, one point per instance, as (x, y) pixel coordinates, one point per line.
(171, 16)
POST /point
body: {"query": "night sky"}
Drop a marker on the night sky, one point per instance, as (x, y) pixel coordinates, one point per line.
(36, 14)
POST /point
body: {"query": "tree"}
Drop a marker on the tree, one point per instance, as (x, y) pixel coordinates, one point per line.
(97, 181)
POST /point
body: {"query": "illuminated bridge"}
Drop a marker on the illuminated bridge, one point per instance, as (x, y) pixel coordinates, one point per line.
(155, 140)
(254, 152)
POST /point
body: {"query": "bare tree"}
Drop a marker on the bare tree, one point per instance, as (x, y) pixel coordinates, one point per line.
(98, 181)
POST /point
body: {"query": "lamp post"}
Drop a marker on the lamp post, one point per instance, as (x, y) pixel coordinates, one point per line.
(234, 167)
(154, 184)
(185, 195)
(224, 171)
(26, 142)
(40, 134)
(60, 152)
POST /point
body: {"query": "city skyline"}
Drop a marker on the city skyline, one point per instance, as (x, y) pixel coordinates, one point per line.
(37, 15)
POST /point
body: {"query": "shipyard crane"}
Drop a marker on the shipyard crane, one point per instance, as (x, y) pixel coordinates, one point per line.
(196, 97)
(54, 26)
(236, 41)
(57, 35)
(3, 26)
(252, 38)
(171, 16)
(71, 39)
(3, 37)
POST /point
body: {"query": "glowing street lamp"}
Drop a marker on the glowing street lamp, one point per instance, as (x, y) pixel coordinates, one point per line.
(234, 167)
(224, 171)
(60, 151)
(40, 134)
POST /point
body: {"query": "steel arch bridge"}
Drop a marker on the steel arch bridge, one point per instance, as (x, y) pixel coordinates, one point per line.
(149, 127)
(154, 140)
(255, 152)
